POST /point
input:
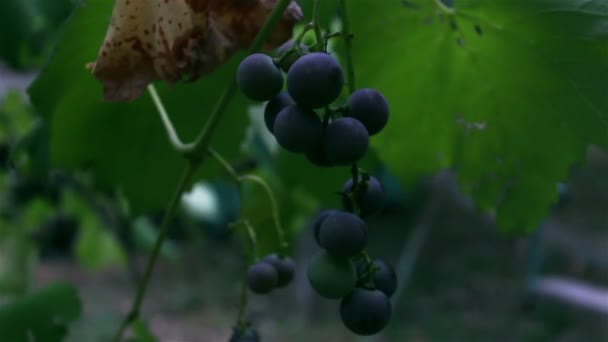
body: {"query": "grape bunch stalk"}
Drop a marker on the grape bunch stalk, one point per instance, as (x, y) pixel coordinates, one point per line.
(305, 120)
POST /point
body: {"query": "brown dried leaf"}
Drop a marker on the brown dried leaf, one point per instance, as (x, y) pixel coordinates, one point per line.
(174, 40)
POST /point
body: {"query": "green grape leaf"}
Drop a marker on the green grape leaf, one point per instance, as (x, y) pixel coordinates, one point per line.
(124, 145)
(508, 93)
(41, 316)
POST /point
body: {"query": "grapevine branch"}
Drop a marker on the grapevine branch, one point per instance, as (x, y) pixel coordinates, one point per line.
(195, 157)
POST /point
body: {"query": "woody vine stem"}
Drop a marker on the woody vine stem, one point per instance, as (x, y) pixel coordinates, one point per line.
(195, 154)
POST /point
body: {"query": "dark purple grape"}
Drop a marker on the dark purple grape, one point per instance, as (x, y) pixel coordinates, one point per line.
(285, 267)
(330, 276)
(297, 129)
(343, 234)
(292, 56)
(384, 278)
(315, 80)
(262, 277)
(274, 107)
(346, 141)
(318, 220)
(365, 312)
(259, 78)
(370, 200)
(370, 107)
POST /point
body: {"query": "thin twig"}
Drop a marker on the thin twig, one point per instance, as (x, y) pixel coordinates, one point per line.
(187, 177)
(315, 23)
(174, 139)
(274, 206)
(225, 164)
(259, 180)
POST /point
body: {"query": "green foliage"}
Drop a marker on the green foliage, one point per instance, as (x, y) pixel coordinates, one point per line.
(124, 144)
(27, 27)
(42, 316)
(506, 92)
(96, 247)
(327, 10)
(35, 213)
(142, 332)
(487, 88)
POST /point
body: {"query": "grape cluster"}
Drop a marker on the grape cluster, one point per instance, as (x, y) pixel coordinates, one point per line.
(304, 120)
(271, 272)
(314, 81)
(342, 270)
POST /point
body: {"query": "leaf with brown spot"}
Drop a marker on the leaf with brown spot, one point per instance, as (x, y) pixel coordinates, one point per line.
(174, 40)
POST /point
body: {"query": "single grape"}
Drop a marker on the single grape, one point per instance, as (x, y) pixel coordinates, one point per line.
(346, 141)
(292, 56)
(365, 312)
(297, 129)
(343, 234)
(370, 107)
(369, 201)
(318, 220)
(274, 107)
(384, 279)
(285, 267)
(259, 78)
(331, 277)
(262, 277)
(244, 334)
(315, 80)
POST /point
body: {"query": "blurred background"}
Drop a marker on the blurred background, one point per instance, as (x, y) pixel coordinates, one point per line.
(461, 278)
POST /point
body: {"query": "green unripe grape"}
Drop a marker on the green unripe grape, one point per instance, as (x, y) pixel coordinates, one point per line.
(331, 277)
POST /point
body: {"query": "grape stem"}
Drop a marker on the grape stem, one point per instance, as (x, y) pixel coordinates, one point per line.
(300, 36)
(224, 163)
(195, 157)
(262, 182)
(315, 23)
(368, 277)
(274, 207)
(241, 320)
(251, 236)
(348, 45)
(174, 139)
